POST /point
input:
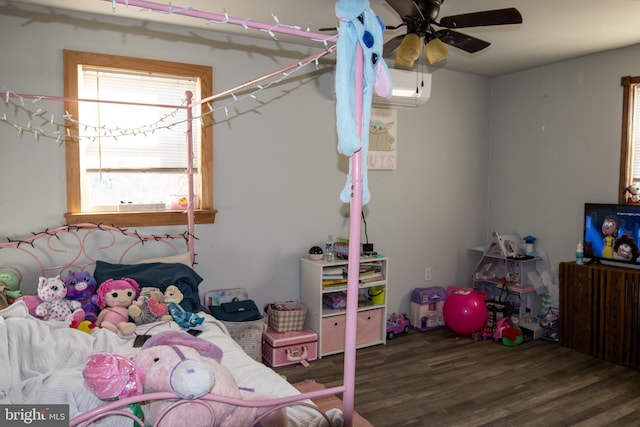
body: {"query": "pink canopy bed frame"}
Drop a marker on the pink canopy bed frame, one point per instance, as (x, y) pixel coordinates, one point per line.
(347, 389)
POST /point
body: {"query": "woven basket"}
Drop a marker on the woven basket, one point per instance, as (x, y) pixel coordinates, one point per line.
(287, 316)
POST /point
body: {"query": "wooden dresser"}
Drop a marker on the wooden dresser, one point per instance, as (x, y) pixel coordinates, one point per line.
(599, 311)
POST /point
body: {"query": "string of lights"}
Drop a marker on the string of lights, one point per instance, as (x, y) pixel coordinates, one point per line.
(55, 232)
(215, 18)
(44, 124)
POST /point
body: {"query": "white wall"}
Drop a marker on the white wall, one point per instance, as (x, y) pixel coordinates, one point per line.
(555, 144)
(277, 173)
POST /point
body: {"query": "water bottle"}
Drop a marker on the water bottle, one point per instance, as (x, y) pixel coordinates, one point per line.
(328, 249)
(579, 254)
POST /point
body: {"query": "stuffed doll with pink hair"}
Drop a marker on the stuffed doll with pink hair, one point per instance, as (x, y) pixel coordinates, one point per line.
(114, 299)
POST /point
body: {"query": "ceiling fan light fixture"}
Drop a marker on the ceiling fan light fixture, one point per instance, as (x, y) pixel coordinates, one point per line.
(436, 51)
(408, 51)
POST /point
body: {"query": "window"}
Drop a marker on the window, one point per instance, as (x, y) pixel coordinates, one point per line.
(630, 147)
(127, 164)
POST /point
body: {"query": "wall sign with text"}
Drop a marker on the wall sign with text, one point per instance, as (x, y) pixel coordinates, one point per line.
(383, 143)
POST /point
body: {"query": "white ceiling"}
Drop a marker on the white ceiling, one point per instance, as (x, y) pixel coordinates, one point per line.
(552, 31)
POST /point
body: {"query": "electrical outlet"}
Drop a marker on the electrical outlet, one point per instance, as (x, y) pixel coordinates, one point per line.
(427, 273)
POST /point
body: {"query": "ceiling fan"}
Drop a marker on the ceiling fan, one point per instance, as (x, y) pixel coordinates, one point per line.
(420, 17)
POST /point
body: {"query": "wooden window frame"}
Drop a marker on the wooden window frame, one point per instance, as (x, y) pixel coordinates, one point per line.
(206, 212)
(626, 159)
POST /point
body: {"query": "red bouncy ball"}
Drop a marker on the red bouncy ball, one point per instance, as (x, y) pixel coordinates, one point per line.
(465, 311)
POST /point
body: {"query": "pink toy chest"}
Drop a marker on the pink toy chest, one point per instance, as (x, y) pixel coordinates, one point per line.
(288, 348)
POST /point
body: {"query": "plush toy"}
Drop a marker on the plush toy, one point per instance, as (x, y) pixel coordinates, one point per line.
(54, 306)
(509, 332)
(149, 307)
(186, 319)
(190, 367)
(113, 376)
(358, 25)
(31, 302)
(633, 194)
(78, 322)
(9, 287)
(83, 325)
(81, 286)
(114, 299)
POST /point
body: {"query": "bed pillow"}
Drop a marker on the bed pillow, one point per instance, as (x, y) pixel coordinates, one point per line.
(183, 258)
(159, 275)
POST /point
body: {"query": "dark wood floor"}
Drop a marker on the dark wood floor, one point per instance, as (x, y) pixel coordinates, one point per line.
(437, 378)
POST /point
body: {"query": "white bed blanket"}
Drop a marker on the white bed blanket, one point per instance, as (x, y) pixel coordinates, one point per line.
(42, 363)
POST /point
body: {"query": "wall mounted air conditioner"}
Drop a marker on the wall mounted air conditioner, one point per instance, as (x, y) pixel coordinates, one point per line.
(408, 89)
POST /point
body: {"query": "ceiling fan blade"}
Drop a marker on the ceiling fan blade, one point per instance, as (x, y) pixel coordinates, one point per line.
(482, 19)
(392, 45)
(462, 41)
(406, 9)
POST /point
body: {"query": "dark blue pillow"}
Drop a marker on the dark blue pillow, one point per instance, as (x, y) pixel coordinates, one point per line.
(159, 275)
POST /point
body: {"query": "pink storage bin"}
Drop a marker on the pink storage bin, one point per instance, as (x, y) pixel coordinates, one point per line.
(333, 333)
(369, 326)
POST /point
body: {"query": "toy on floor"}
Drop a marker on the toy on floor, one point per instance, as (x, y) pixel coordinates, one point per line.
(465, 311)
(508, 332)
(396, 324)
(186, 319)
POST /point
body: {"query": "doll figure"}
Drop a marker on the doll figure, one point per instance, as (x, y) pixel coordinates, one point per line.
(185, 319)
(610, 227)
(114, 299)
(626, 248)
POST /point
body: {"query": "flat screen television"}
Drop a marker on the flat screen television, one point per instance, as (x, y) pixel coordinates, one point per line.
(612, 233)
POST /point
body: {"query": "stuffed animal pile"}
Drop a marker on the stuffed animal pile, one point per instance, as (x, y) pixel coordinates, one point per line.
(174, 361)
(117, 305)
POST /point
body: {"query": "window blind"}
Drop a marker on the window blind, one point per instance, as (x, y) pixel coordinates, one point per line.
(133, 137)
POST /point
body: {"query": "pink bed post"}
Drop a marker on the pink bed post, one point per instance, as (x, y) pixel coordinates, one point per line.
(354, 253)
(191, 205)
